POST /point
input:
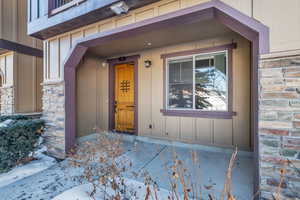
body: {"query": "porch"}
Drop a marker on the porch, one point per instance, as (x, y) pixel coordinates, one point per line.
(155, 156)
(150, 155)
(165, 95)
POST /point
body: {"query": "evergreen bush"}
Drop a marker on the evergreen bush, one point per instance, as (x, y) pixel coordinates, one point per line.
(13, 117)
(18, 140)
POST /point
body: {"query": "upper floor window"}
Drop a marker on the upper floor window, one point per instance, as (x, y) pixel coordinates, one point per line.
(56, 6)
(198, 82)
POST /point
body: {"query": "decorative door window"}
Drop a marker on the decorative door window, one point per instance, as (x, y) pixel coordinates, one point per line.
(125, 86)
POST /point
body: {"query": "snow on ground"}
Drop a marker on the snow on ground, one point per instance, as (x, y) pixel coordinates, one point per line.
(82, 192)
(19, 172)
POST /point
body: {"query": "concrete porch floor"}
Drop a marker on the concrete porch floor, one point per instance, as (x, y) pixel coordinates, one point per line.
(150, 155)
(153, 155)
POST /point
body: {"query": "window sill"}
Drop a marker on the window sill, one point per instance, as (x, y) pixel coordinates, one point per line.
(65, 7)
(199, 114)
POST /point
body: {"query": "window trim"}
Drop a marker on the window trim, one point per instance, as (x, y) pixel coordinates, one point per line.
(200, 113)
(53, 11)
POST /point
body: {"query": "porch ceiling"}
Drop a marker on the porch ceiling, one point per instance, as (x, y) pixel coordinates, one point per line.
(170, 35)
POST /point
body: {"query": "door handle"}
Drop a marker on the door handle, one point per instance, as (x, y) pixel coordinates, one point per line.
(131, 106)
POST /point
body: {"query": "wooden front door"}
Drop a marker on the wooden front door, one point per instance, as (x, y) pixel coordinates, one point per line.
(124, 98)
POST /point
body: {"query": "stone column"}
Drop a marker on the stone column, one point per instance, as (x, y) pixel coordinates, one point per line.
(7, 100)
(279, 127)
(54, 115)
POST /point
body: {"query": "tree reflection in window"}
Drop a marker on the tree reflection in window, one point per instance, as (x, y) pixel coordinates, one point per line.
(207, 74)
(181, 83)
(211, 82)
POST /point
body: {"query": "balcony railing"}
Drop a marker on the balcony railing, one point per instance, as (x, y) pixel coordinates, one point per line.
(56, 6)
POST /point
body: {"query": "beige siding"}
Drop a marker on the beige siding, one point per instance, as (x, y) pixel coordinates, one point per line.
(8, 21)
(283, 19)
(13, 23)
(92, 98)
(143, 13)
(204, 131)
(7, 69)
(28, 79)
(284, 31)
(24, 73)
(284, 35)
(87, 104)
(92, 108)
(54, 62)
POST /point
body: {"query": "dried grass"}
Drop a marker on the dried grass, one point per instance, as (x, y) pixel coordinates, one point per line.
(104, 168)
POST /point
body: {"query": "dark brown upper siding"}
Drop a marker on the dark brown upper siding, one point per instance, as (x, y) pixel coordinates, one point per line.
(6, 46)
(42, 25)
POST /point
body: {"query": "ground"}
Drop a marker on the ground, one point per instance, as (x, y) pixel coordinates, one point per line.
(146, 154)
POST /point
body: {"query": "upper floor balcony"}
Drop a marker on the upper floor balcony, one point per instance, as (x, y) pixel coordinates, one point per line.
(47, 18)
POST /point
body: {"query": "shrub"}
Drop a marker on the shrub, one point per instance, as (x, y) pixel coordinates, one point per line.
(13, 117)
(18, 140)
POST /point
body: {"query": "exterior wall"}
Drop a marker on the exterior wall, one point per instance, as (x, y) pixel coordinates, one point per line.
(7, 88)
(54, 115)
(57, 48)
(286, 23)
(21, 79)
(283, 20)
(279, 89)
(13, 23)
(28, 79)
(21, 74)
(279, 124)
(92, 99)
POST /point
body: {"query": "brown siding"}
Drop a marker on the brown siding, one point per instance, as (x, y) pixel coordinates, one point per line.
(28, 83)
(13, 23)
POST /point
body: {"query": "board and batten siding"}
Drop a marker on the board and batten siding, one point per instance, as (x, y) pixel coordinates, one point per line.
(7, 69)
(92, 106)
(92, 99)
(24, 74)
(13, 23)
(284, 31)
(28, 79)
(57, 48)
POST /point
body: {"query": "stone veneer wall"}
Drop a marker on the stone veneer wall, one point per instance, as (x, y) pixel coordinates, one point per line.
(54, 115)
(7, 100)
(279, 126)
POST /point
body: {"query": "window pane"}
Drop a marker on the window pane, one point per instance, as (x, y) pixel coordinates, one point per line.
(211, 82)
(181, 83)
